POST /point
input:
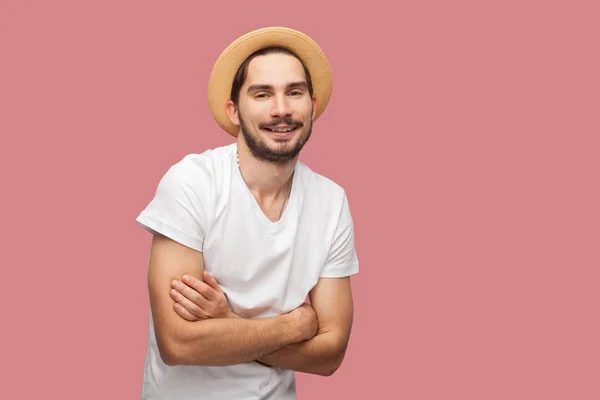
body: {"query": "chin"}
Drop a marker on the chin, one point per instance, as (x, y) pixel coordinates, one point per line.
(276, 148)
(281, 146)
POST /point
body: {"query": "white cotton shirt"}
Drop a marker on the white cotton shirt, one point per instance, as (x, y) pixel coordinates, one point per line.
(265, 268)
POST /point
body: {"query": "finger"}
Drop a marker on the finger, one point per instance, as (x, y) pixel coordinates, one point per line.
(193, 294)
(201, 287)
(212, 282)
(185, 314)
(188, 305)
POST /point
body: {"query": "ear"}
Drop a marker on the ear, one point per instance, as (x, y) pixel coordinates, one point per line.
(232, 112)
(314, 102)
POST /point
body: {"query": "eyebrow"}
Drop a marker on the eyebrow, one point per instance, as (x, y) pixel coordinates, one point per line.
(300, 84)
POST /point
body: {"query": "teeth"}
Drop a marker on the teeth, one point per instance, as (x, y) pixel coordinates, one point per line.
(281, 130)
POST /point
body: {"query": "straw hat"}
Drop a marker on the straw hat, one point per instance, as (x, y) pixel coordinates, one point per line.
(228, 63)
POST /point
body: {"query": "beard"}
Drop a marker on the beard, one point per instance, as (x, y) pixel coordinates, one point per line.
(263, 152)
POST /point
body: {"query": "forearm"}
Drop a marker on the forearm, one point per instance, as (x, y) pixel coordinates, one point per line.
(228, 341)
(321, 355)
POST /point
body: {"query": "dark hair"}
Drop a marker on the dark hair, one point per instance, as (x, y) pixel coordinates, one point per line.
(240, 76)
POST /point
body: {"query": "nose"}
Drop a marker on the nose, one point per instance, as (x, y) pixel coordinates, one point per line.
(281, 107)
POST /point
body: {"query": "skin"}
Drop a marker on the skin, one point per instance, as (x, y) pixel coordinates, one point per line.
(215, 341)
(193, 323)
(274, 90)
(331, 299)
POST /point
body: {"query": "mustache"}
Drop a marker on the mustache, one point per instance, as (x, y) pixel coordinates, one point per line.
(285, 121)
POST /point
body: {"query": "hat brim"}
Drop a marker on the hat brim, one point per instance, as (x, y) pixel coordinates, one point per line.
(228, 63)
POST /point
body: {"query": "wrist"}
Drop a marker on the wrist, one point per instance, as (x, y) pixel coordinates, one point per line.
(292, 328)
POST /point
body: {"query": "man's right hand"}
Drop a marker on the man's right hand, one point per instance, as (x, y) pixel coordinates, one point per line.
(306, 319)
(215, 341)
(196, 300)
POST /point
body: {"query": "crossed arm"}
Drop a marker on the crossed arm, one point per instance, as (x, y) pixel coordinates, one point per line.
(323, 354)
(311, 339)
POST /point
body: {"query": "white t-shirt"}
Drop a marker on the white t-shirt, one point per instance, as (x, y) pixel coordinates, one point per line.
(266, 268)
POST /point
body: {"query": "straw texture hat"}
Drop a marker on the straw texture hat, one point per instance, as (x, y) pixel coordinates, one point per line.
(228, 63)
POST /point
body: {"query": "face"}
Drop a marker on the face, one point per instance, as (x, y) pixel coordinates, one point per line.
(275, 110)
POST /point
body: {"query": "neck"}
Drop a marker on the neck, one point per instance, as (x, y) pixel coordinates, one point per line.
(265, 179)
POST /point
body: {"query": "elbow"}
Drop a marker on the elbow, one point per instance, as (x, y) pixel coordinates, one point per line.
(169, 359)
(171, 362)
(177, 351)
(173, 343)
(172, 349)
(329, 372)
(169, 353)
(331, 367)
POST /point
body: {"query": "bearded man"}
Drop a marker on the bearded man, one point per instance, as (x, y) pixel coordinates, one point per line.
(244, 233)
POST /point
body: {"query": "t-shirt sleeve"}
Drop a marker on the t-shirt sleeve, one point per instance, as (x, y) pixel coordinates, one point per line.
(342, 259)
(179, 207)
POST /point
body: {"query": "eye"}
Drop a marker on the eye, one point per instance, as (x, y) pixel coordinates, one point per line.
(296, 93)
(261, 95)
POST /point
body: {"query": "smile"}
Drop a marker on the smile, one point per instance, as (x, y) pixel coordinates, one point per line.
(286, 129)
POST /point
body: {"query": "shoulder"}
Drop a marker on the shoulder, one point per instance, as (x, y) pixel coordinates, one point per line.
(200, 169)
(322, 189)
(197, 177)
(319, 183)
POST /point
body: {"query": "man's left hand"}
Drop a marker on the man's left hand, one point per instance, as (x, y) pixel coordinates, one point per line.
(196, 300)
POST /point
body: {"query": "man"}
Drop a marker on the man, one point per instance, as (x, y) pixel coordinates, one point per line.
(242, 234)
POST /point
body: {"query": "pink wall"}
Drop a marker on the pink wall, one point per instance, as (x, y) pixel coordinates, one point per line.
(466, 136)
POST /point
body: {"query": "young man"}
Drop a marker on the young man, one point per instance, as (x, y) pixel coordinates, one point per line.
(242, 234)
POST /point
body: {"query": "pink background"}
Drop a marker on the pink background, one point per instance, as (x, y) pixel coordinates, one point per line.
(467, 138)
